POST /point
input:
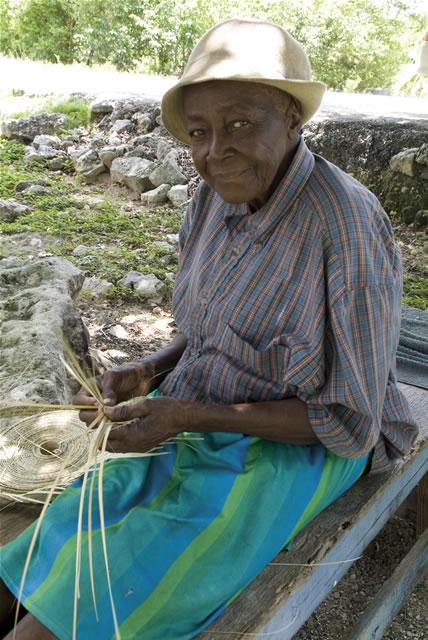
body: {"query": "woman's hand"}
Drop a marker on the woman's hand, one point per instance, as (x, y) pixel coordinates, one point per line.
(116, 385)
(153, 420)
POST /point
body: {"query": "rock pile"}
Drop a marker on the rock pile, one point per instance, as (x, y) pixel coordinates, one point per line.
(129, 143)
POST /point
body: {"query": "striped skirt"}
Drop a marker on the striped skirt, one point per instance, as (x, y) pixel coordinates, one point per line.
(186, 532)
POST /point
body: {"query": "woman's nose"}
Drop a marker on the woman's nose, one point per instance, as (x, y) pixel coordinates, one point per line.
(218, 144)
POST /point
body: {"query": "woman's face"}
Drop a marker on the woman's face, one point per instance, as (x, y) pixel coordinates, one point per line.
(243, 138)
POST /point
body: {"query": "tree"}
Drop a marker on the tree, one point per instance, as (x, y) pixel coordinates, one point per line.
(44, 30)
(353, 45)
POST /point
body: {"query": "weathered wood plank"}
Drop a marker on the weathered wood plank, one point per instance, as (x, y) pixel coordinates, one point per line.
(422, 506)
(392, 594)
(14, 518)
(282, 596)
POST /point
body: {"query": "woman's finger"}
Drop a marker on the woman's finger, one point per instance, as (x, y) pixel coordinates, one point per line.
(124, 412)
(83, 399)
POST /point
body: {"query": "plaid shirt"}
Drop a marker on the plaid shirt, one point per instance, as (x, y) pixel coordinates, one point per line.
(301, 298)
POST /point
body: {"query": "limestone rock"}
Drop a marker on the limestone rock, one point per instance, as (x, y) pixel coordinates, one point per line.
(172, 239)
(144, 122)
(146, 146)
(42, 154)
(98, 287)
(422, 155)
(163, 149)
(36, 308)
(101, 106)
(139, 152)
(117, 331)
(114, 140)
(11, 209)
(149, 286)
(148, 140)
(81, 250)
(36, 242)
(404, 162)
(108, 154)
(58, 163)
(120, 126)
(133, 173)
(26, 243)
(23, 185)
(178, 194)
(67, 142)
(163, 244)
(127, 107)
(26, 129)
(45, 141)
(421, 219)
(37, 190)
(155, 196)
(97, 142)
(167, 173)
(88, 164)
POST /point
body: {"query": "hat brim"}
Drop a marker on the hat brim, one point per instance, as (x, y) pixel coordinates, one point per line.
(308, 93)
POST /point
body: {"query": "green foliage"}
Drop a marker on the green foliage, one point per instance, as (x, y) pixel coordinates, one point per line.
(77, 112)
(415, 291)
(44, 29)
(12, 168)
(415, 87)
(352, 44)
(6, 28)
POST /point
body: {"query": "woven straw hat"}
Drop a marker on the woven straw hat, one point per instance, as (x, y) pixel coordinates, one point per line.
(246, 50)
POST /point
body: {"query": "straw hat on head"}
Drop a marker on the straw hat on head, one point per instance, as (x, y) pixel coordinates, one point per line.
(246, 50)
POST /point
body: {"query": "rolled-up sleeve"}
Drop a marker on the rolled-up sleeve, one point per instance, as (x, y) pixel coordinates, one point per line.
(346, 412)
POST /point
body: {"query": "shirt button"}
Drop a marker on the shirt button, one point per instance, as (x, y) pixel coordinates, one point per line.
(250, 220)
(235, 250)
(204, 301)
(193, 351)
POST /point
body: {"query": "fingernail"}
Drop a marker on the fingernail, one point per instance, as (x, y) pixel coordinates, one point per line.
(108, 400)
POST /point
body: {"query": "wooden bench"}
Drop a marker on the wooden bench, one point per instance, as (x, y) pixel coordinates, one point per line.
(282, 598)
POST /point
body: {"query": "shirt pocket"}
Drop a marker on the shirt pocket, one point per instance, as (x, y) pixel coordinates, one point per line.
(270, 363)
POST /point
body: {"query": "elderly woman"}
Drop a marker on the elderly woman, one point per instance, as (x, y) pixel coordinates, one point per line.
(287, 302)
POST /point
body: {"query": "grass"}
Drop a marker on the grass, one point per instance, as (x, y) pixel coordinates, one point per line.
(119, 241)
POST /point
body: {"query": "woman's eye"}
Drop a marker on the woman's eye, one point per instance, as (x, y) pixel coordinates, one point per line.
(196, 133)
(239, 123)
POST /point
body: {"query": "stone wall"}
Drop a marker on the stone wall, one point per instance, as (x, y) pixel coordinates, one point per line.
(389, 157)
